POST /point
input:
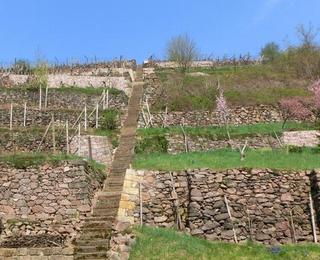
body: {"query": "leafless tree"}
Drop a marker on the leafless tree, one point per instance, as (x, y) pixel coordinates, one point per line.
(182, 50)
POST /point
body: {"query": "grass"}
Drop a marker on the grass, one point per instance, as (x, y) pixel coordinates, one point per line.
(67, 89)
(218, 132)
(159, 243)
(244, 85)
(227, 159)
(25, 160)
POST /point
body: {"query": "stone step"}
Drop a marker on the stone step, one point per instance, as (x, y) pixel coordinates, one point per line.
(89, 235)
(93, 255)
(96, 242)
(93, 248)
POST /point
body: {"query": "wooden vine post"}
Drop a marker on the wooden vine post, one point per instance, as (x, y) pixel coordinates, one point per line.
(53, 135)
(11, 116)
(229, 213)
(314, 231)
(25, 114)
(97, 115)
(67, 137)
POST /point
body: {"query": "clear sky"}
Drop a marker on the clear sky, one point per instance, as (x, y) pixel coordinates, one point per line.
(139, 28)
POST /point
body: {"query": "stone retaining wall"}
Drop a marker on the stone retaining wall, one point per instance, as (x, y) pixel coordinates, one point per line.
(261, 203)
(238, 116)
(36, 117)
(46, 199)
(28, 141)
(51, 253)
(58, 99)
(58, 80)
(302, 138)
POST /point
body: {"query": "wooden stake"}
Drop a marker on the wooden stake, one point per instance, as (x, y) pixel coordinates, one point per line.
(97, 115)
(85, 118)
(53, 135)
(185, 137)
(294, 240)
(104, 99)
(176, 203)
(40, 98)
(67, 136)
(140, 195)
(107, 99)
(312, 220)
(90, 147)
(46, 97)
(79, 139)
(11, 115)
(44, 136)
(229, 213)
(25, 114)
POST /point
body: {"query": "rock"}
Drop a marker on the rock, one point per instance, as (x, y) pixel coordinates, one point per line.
(84, 208)
(49, 210)
(262, 237)
(122, 226)
(286, 197)
(210, 225)
(227, 234)
(221, 216)
(218, 204)
(160, 219)
(195, 232)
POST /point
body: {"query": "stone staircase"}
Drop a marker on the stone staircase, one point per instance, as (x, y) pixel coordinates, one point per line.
(95, 234)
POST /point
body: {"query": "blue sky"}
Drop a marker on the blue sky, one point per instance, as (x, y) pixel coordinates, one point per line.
(73, 29)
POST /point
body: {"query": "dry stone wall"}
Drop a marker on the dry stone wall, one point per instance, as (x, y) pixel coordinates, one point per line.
(302, 138)
(261, 203)
(46, 200)
(58, 99)
(58, 80)
(238, 116)
(65, 253)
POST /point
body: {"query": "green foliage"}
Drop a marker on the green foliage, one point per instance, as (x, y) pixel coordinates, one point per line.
(88, 90)
(41, 74)
(160, 243)
(226, 159)
(25, 160)
(270, 52)
(110, 119)
(152, 144)
(218, 132)
(21, 67)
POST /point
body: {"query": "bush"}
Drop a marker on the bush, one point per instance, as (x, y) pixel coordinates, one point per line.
(152, 144)
(109, 119)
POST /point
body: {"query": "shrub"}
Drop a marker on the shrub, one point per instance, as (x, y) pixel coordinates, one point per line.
(270, 52)
(109, 119)
(152, 144)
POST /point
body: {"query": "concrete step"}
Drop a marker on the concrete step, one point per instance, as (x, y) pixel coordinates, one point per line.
(93, 255)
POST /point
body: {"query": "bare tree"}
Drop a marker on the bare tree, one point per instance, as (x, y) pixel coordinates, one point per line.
(307, 35)
(182, 50)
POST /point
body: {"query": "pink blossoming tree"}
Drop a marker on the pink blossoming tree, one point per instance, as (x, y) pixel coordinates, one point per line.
(294, 109)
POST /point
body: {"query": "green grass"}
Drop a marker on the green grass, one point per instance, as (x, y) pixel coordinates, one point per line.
(227, 158)
(159, 243)
(24, 160)
(67, 89)
(244, 85)
(218, 132)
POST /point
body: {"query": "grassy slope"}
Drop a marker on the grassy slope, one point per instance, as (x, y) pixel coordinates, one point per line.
(218, 132)
(225, 159)
(246, 85)
(154, 244)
